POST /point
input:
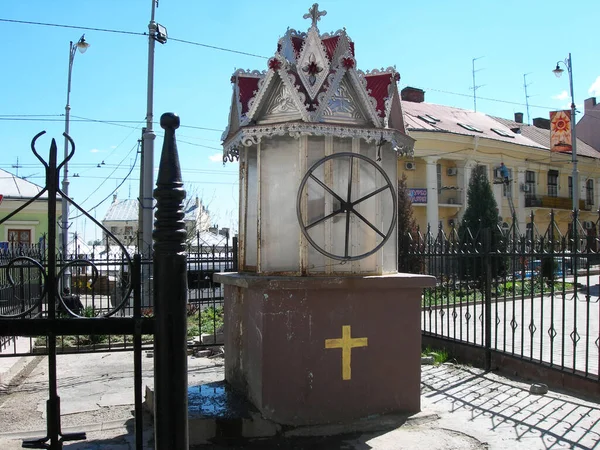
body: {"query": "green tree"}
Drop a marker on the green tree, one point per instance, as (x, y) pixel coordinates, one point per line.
(481, 214)
(482, 209)
(409, 257)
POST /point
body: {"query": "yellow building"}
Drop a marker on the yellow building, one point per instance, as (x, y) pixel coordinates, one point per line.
(451, 141)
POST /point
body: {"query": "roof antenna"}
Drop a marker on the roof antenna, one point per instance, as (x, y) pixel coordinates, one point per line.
(526, 96)
(475, 86)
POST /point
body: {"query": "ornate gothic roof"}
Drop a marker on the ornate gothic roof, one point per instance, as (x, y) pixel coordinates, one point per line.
(312, 86)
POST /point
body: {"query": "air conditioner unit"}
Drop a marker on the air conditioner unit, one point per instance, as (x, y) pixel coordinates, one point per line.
(525, 187)
(452, 171)
(588, 225)
(410, 165)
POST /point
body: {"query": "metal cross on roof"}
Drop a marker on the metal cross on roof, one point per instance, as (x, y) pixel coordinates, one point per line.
(314, 14)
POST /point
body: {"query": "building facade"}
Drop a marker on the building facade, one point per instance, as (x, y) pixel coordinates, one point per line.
(451, 141)
(30, 225)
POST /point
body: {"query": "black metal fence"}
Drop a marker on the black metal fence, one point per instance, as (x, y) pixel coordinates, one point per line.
(95, 294)
(533, 296)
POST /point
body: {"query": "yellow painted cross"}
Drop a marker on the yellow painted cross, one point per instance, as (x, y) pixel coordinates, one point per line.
(346, 343)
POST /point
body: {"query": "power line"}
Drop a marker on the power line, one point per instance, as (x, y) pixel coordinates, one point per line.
(120, 184)
(37, 118)
(135, 33)
(218, 48)
(57, 25)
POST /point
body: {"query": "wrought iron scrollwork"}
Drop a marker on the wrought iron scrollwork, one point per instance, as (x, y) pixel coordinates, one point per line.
(52, 188)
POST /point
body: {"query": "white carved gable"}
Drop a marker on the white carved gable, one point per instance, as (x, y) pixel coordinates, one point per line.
(280, 105)
(344, 106)
(312, 64)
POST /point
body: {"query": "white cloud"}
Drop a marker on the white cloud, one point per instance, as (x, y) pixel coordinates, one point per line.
(94, 150)
(217, 157)
(595, 88)
(112, 147)
(562, 96)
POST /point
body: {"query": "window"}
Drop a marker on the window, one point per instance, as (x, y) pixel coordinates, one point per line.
(21, 237)
(469, 127)
(530, 182)
(427, 119)
(114, 230)
(502, 133)
(439, 177)
(553, 183)
(570, 187)
(128, 231)
(589, 192)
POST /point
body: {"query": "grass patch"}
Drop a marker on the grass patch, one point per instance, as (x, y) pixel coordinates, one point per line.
(439, 356)
(440, 296)
(535, 285)
(206, 321)
(449, 294)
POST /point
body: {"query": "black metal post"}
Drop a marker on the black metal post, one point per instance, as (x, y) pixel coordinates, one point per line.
(53, 426)
(487, 266)
(235, 254)
(170, 297)
(136, 279)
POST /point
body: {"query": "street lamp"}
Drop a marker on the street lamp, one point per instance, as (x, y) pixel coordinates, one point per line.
(82, 46)
(558, 72)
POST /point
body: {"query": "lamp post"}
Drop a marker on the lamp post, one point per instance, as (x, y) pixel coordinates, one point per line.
(158, 33)
(82, 46)
(558, 72)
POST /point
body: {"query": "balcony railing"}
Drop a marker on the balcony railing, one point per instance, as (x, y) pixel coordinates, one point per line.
(546, 201)
(450, 196)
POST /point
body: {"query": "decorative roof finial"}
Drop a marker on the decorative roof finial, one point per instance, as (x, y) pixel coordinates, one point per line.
(314, 14)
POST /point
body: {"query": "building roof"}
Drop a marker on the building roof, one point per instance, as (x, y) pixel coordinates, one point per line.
(12, 186)
(127, 211)
(312, 86)
(542, 137)
(210, 239)
(122, 210)
(447, 119)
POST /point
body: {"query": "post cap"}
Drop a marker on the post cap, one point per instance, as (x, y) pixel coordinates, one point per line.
(169, 120)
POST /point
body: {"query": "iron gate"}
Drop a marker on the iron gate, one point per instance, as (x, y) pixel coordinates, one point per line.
(49, 295)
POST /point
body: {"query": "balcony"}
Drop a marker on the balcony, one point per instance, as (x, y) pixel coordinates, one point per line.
(450, 196)
(546, 201)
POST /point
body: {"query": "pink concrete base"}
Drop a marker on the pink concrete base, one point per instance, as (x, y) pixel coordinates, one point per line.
(276, 329)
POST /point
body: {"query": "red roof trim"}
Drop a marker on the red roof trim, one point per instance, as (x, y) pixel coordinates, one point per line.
(330, 45)
(247, 87)
(377, 86)
(297, 43)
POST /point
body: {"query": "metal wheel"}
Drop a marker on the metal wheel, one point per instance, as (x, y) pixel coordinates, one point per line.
(346, 206)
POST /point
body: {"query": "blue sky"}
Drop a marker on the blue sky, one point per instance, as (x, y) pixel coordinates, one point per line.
(432, 45)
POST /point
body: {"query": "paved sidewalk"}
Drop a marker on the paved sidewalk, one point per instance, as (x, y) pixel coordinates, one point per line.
(462, 408)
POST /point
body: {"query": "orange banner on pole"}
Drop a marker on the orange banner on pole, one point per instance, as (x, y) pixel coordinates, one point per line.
(560, 131)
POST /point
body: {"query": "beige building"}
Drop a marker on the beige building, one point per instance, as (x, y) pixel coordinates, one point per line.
(451, 141)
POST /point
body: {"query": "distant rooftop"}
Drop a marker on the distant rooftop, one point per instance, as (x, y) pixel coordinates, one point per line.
(421, 116)
(11, 186)
(127, 211)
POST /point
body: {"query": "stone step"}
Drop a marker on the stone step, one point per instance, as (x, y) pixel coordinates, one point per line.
(216, 412)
